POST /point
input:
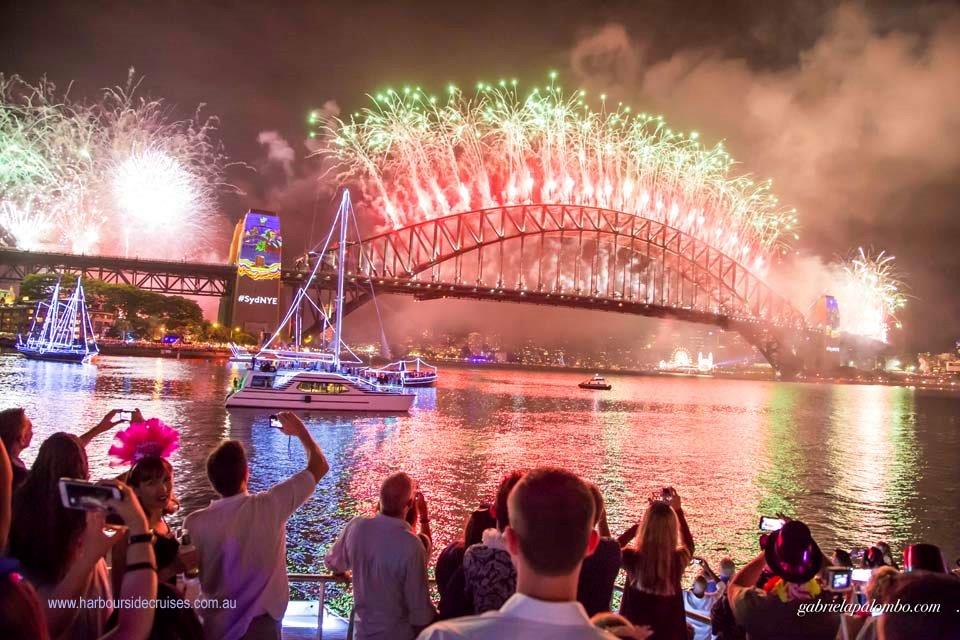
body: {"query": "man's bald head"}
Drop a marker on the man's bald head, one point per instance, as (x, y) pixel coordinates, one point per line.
(396, 494)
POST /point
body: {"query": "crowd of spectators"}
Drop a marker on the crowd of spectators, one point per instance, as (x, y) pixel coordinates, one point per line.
(539, 562)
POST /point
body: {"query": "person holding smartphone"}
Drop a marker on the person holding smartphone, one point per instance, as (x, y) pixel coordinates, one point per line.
(778, 608)
(655, 565)
(61, 550)
(241, 538)
(389, 566)
(22, 613)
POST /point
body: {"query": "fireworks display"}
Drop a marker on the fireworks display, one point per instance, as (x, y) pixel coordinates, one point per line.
(416, 157)
(87, 177)
(870, 295)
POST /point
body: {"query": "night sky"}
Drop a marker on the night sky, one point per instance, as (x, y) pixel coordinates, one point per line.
(853, 109)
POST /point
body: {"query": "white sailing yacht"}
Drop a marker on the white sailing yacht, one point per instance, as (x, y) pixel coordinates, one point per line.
(323, 380)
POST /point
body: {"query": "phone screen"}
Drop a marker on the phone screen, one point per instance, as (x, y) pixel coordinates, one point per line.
(861, 575)
(768, 523)
(840, 580)
(275, 422)
(86, 496)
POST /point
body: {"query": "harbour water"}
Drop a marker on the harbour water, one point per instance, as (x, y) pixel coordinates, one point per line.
(857, 463)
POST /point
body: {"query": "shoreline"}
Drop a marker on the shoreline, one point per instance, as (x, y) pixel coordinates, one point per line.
(214, 354)
(720, 375)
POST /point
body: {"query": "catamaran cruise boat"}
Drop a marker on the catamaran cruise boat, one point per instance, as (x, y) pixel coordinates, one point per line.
(270, 386)
(330, 379)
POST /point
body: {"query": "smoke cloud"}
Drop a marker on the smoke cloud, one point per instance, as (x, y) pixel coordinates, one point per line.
(859, 133)
(279, 150)
(299, 190)
(863, 115)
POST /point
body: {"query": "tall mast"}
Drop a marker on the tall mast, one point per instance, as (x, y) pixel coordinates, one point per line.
(83, 313)
(50, 320)
(342, 214)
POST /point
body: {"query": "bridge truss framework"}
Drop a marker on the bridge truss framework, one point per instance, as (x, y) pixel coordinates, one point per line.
(161, 276)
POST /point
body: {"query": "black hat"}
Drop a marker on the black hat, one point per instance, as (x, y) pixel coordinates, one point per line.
(792, 554)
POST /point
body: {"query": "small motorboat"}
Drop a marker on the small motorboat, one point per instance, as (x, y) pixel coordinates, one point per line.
(597, 382)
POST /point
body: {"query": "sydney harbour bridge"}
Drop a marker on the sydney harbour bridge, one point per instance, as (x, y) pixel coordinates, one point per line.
(555, 255)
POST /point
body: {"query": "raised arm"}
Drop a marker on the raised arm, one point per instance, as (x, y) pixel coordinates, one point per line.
(292, 425)
(685, 536)
(103, 426)
(627, 536)
(93, 546)
(424, 518)
(603, 528)
(707, 571)
(745, 579)
(139, 579)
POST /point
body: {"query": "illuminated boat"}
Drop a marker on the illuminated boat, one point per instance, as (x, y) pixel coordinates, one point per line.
(238, 353)
(271, 387)
(408, 373)
(597, 382)
(331, 378)
(65, 334)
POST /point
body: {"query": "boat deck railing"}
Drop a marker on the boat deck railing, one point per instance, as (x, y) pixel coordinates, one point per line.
(323, 579)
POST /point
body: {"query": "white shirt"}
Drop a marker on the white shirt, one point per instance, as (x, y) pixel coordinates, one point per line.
(389, 565)
(242, 545)
(702, 605)
(521, 617)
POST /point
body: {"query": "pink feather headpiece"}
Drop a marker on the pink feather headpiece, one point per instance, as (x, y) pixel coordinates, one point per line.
(142, 439)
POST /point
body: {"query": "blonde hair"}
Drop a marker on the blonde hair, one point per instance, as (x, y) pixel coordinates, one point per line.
(882, 583)
(660, 557)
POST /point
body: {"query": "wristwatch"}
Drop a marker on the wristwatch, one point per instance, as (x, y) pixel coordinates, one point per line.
(142, 537)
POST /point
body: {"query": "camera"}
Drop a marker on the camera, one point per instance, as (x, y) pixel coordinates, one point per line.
(274, 421)
(838, 578)
(85, 495)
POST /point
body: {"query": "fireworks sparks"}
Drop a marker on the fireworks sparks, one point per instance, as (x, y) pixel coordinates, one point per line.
(87, 177)
(870, 295)
(418, 157)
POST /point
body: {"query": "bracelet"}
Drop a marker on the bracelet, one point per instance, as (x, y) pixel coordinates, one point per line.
(142, 537)
(136, 566)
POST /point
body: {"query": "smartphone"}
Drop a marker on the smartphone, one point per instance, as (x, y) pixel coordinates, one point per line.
(769, 523)
(861, 575)
(125, 415)
(667, 494)
(697, 561)
(85, 495)
(274, 421)
(838, 578)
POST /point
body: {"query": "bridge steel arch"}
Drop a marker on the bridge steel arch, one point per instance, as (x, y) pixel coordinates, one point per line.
(517, 253)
